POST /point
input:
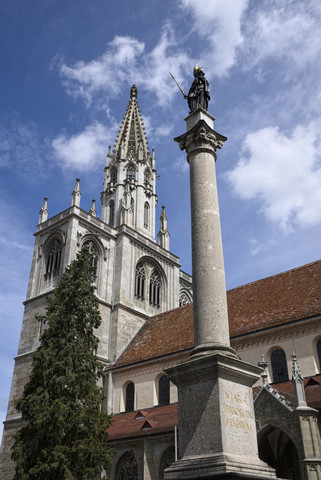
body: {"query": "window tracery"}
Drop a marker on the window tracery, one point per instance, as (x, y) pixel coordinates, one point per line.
(279, 366)
(131, 172)
(184, 299)
(154, 289)
(94, 256)
(113, 175)
(140, 281)
(54, 258)
(127, 468)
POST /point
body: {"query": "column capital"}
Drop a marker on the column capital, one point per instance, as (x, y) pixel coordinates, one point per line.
(200, 137)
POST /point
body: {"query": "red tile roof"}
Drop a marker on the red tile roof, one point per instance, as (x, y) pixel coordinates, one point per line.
(163, 419)
(153, 420)
(272, 301)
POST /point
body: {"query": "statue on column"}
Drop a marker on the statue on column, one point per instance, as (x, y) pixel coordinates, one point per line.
(199, 93)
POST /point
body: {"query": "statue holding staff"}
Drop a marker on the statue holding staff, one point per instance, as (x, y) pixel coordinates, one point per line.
(199, 93)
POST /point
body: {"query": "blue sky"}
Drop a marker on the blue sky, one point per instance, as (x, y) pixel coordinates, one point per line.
(67, 68)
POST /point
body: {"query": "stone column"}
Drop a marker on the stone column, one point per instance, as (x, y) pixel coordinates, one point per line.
(211, 331)
(216, 423)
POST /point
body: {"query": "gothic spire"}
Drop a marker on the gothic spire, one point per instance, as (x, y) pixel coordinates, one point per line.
(298, 383)
(43, 214)
(76, 194)
(131, 138)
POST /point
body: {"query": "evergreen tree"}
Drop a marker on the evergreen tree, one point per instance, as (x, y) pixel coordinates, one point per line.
(65, 435)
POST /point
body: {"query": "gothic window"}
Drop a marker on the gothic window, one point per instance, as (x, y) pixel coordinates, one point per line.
(131, 172)
(54, 257)
(163, 390)
(111, 213)
(184, 299)
(140, 281)
(147, 176)
(113, 175)
(127, 468)
(130, 397)
(94, 256)
(168, 458)
(319, 352)
(279, 366)
(154, 289)
(146, 215)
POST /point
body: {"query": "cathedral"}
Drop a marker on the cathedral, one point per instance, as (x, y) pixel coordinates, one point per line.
(147, 325)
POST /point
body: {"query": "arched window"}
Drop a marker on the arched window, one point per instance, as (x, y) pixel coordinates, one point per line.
(163, 391)
(127, 468)
(54, 257)
(113, 175)
(147, 176)
(130, 397)
(154, 289)
(146, 215)
(140, 281)
(168, 458)
(94, 256)
(111, 213)
(131, 172)
(319, 353)
(184, 299)
(279, 366)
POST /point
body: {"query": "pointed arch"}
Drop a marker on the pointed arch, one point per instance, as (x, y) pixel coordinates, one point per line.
(131, 172)
(53, 256)
(130, 397)
(127, 467)
(113, 174)
(140, 276)
(155, 288)
(146, 215)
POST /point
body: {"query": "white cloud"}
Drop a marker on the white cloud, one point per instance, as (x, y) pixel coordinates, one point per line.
(110, 72)
(181, 165)
(218, 22)
(84, 150)
(283, 30)
(282, 172)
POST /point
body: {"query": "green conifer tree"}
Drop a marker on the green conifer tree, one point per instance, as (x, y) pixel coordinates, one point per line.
(65, 435)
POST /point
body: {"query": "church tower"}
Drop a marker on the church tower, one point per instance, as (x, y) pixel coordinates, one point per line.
(129, 195)
(135, 277)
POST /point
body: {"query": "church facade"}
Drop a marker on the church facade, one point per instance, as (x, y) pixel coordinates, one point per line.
(147, 325)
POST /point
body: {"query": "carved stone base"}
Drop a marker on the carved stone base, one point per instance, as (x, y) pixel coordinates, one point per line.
(217, 432)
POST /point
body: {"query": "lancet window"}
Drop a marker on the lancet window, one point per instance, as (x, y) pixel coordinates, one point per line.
(127, 468)
(163, 391)
(146, 215)
(140, 281)
(94, 256)
(130, 397)
(131, 172)
(113, 175)
(154, 289)
(54, 257)
(279, 366)
(111, 213)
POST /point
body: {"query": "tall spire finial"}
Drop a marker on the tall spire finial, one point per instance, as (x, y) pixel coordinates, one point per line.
(163, 235)
(76, 194)
(133, 92)
(263, 364)
(43, 214)
(298, 383)
(92, 210)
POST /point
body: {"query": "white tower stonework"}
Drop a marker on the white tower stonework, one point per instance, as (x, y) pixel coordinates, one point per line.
(135, 276)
